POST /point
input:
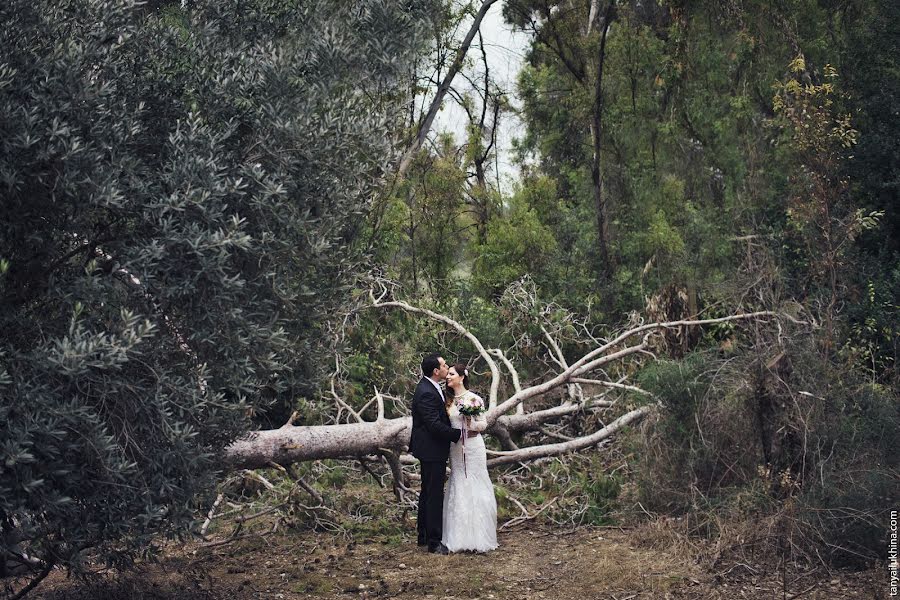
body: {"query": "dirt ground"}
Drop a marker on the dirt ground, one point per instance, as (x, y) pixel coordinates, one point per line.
(533, 562)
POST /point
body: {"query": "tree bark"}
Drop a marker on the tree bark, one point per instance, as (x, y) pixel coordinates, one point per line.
(570, 446)
(290, 444)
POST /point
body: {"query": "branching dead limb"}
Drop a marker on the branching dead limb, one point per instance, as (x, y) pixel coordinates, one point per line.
(581, 443)
(526, 516)
(388, 437)
(513, 374)
(210, 514)
(485, 355)
(401, 489)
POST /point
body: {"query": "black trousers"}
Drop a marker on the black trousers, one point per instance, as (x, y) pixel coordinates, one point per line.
(429, 523)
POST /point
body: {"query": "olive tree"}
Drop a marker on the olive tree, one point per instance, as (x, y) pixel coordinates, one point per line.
(180, 189)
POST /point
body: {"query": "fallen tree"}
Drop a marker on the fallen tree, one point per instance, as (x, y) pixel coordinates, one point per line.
(389, 436)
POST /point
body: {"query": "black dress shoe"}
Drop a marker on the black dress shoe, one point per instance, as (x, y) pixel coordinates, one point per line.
(441, 549)
(421, 542)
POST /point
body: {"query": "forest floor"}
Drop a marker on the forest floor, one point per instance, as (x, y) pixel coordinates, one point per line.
(534, 561)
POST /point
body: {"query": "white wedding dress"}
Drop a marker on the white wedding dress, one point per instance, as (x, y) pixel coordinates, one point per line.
(470, 509)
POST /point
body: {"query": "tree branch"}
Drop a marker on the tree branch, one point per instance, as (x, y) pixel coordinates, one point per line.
(289, 443)
(455, 66)
(590, 361)
(495, 371)
(513, 373)
(533, 452)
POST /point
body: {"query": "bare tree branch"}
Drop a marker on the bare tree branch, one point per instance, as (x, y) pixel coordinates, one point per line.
(513, 373)
(612, 384)
(570, 446)
(495, 372)
(573, 389)
(455, 66)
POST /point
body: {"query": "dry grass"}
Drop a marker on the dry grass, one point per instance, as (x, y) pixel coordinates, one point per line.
(361, 545)
(655, 560)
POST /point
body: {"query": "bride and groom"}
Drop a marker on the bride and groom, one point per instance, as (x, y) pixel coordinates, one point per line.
(465, 518)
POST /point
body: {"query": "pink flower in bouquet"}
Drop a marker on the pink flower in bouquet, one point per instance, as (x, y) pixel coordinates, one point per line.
(470, 405)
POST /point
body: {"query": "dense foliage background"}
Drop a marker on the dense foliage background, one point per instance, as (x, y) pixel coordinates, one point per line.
(747, 155)
(179, 191)
(189, 194)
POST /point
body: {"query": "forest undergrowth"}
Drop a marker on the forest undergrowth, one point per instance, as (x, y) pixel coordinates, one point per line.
(562, 534)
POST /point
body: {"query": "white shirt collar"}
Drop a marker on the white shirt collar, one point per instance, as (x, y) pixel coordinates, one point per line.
(435, 384)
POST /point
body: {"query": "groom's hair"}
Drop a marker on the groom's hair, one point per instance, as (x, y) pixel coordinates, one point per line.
(430, 363)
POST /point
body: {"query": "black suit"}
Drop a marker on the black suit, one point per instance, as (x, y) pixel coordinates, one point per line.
(430, 443)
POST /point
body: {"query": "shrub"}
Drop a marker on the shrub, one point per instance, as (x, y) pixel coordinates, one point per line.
(180, 196)
(782, 431)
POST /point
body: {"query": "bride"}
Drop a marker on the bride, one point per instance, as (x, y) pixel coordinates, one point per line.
(470, 509)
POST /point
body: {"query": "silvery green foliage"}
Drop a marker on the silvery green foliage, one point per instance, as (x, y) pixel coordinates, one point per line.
(179, 193)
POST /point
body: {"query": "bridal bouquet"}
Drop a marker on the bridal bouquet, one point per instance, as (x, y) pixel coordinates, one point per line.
(470, 405)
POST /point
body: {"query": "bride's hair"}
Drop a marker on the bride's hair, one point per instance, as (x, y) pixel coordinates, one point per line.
(461, 369)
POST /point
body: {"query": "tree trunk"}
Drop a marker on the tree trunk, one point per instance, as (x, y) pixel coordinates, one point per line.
(600, 201)
(455, 66)
(290, 444)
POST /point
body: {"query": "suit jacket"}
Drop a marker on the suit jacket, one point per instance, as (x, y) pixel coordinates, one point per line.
(431, 431)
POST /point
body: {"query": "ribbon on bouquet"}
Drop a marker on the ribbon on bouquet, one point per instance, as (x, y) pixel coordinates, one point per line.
(464, 436)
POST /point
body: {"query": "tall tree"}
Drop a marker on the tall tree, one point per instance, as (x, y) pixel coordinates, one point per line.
(180, 192)
(573, 36)
(424, 126)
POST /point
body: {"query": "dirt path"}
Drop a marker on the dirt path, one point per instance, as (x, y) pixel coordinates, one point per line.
(533, 562)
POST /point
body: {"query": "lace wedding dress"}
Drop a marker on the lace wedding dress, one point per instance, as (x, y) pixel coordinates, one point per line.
(470, 509)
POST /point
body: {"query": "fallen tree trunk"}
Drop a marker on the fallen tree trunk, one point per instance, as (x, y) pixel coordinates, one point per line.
(289, 443)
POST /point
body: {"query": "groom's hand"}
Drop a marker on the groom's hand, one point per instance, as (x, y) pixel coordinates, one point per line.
(472, 434)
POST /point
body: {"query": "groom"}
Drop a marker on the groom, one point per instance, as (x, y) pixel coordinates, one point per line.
(430, 443)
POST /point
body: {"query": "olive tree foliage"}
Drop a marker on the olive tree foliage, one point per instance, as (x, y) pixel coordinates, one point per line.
(180, 191)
